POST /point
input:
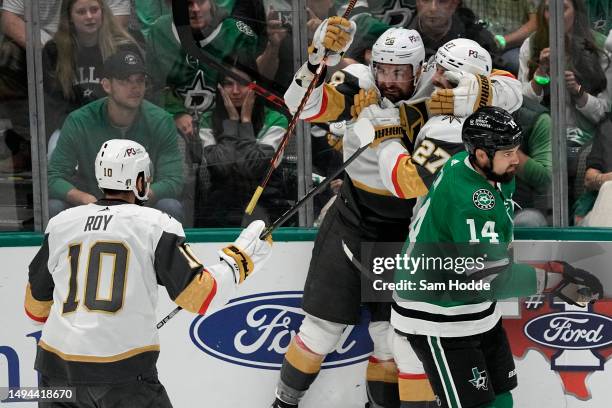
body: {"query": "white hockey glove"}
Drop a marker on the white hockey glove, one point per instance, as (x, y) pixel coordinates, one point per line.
(386, 122)
(572, 285)
(472, 92)
(248, 253)
(334, 34)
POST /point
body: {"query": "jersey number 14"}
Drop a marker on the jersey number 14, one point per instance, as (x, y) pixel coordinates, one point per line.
(488, 231)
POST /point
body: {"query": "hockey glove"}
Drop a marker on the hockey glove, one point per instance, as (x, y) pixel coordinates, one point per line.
(362, 100)
(572, 285)
(334, 34)
(472, 92)
(248, 253)
(335, 135)
(386, 122)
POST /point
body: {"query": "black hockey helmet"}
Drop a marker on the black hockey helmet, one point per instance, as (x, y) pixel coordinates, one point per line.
(491, 129)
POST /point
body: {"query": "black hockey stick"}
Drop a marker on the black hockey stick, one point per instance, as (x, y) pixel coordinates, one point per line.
(180, 15)
(170, 316)
(365, 132)
(275, 161)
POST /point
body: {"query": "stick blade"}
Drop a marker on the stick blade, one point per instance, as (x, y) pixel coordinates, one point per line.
(364, 130)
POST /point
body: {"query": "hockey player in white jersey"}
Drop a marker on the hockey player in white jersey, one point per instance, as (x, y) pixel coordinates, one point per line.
(367, 211)
(436, 142)
(457, 72)
(94, 283)
(364, 211)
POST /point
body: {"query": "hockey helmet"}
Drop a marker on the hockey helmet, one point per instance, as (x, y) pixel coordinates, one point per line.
(118, 165)
(491, 129)
(463, 55)
(399, 46)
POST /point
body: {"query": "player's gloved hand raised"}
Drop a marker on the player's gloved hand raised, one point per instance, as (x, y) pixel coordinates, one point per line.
(248, 253)
(362, 100)
(572, 285)
(335, 35)
(471, 92)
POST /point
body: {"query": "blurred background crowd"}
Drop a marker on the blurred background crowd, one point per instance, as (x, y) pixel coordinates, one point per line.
(185, 87)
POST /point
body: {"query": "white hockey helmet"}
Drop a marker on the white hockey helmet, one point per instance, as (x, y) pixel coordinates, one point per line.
(464, 55)
(399, 46)
(119, 163)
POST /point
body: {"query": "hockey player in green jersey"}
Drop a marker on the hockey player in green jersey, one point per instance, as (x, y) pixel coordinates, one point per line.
(458, 335)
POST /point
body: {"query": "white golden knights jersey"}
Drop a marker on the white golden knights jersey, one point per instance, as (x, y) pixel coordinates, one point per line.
(94, 282)
(400, 170)
(437, 139)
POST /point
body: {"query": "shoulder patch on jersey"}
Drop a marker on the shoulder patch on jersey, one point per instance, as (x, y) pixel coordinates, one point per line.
(451, 118)
(455, 161)
(412, 119)
(483, 199)
(245, 28)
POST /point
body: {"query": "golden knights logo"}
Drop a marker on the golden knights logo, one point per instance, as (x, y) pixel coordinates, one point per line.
(483, 199)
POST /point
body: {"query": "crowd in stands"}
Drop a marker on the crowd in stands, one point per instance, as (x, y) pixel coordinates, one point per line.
(125, 69)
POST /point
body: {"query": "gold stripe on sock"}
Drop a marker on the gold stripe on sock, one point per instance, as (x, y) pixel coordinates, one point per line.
(302, 359)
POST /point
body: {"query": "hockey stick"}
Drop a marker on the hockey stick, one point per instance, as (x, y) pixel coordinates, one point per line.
(168, 317)
(180, 15)
(275, 161)
(365, 132)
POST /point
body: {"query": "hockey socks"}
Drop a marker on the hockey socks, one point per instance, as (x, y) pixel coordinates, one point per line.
(299, 370)
(381, 378)
(503, 400)
(415, 391)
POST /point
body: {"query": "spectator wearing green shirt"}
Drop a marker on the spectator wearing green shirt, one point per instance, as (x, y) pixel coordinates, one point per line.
(148, 11)
(122, 115)
(179, 79)
(593, 208)
(534, 172)
(600, 15)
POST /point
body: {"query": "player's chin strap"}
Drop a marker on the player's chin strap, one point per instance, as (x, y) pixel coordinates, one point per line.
(576, 287)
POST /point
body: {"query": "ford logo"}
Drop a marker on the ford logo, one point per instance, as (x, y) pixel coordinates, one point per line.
(255, 331)
(571, 330)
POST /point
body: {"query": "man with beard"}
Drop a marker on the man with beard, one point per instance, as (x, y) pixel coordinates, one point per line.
(457, 333)
(366, 210)
(455, 63)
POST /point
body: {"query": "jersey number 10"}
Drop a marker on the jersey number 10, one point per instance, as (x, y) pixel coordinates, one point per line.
(92, 277)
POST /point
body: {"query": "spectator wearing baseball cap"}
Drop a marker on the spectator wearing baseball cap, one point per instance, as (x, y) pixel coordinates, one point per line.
(122, 114)
(124, 64)
(88, 33)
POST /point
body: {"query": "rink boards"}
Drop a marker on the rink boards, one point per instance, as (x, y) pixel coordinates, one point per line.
(232, 357)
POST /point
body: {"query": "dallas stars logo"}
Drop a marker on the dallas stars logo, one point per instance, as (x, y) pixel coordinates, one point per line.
(479, 379)
(197, 96)
(483, 199)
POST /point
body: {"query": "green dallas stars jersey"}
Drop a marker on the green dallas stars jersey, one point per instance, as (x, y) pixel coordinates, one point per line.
(463, 217)
(179, 75)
